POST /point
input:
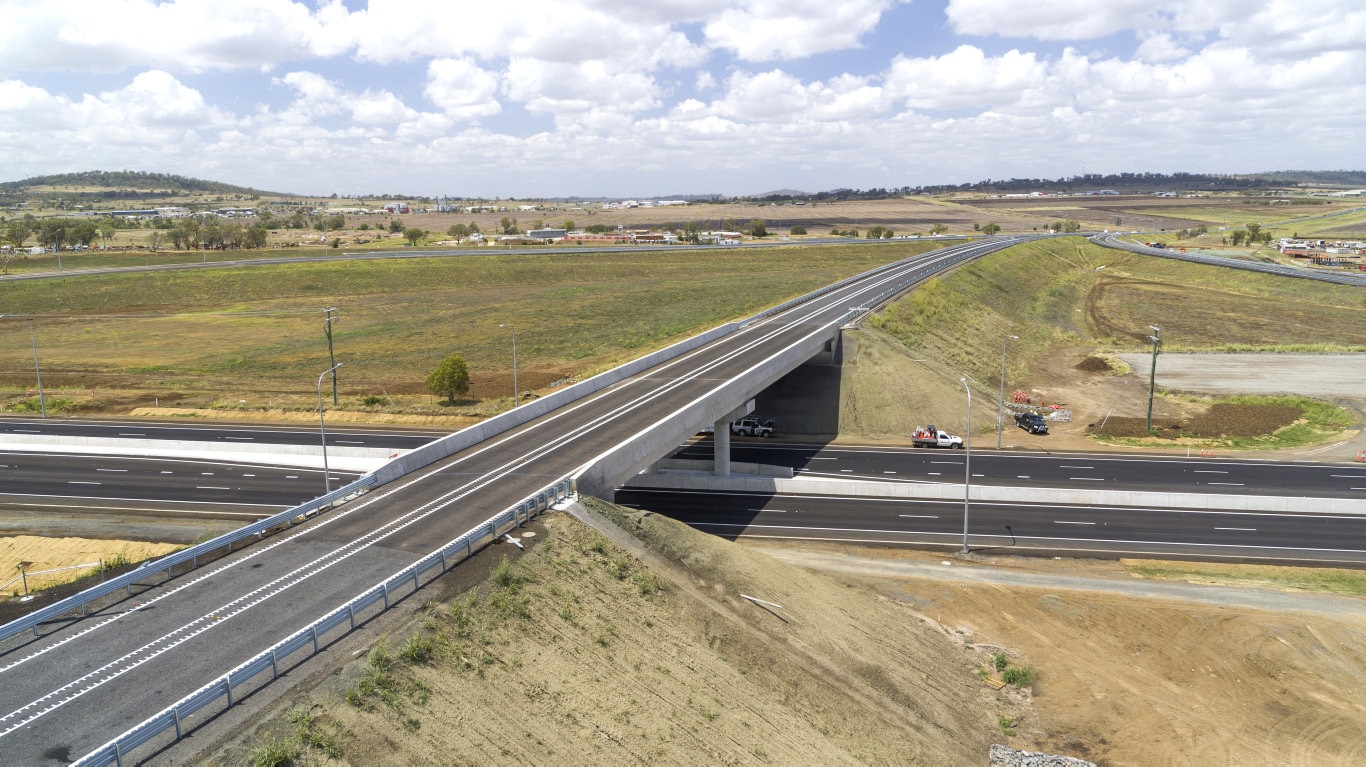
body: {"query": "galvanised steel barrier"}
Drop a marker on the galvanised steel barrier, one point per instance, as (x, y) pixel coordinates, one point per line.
(33, 620)
(1280, 270)
(314, 635)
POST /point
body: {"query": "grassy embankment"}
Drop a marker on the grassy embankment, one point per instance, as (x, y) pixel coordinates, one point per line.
(1069, 293)
(582, 652)
(215, 337)
(1325, 580)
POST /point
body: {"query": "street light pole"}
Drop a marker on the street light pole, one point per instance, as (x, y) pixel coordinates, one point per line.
(1001, 406)
(967, 465)
(38, 371)
(322, 429)
(516, 390)
(1152, 375)
(327, 328)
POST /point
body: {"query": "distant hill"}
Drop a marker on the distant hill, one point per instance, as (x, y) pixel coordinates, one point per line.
(112, 184)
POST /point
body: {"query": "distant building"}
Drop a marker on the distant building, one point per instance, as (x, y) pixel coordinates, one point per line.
(546, 234)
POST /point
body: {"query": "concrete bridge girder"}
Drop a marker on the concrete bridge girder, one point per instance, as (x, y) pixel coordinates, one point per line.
(614, 467)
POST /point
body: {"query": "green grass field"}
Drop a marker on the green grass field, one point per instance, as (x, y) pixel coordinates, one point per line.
(258, 331)
(1068, 292)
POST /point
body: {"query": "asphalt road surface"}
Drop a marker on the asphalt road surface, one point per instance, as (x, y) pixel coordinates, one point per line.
(1005, 528)
(339, 436)
(86, 681)
(1087, 471)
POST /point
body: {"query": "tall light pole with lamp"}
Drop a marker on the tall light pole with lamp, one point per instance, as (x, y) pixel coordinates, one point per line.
(967, 465)
(516, 390)
(1152, 374)
(1001, 406)
(322, 429)
(37, 370)
(327, 328)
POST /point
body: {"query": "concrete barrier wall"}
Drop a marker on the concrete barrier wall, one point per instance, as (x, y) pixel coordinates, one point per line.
(694, 465)
(174, 446)
(953, 492)
(616, 465)
(473, 435)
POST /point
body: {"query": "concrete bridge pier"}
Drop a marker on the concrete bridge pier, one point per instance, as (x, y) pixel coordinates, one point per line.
(720, 438)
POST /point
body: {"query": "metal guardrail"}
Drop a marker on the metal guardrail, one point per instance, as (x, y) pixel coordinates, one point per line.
(313, 635)
(33, 620)
(1281, 270)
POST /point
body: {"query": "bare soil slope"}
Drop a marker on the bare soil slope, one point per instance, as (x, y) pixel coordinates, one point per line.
(1127, 677)
(582, 653)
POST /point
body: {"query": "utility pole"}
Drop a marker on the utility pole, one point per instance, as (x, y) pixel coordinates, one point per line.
(967, 466)
(331, 358)
(1152, 374)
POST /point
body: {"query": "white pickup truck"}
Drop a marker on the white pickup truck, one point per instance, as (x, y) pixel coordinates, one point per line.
(928, 436)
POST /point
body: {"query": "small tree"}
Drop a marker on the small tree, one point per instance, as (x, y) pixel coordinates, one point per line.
(757, 228)
(798, 229)
(449, 378)
(395, 226)
(412, 234)
(990, 229)
(938, 229)
(458, 231)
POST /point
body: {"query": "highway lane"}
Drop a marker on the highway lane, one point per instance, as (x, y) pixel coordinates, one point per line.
(241, 434)
(78, 479)
(1021, 528)
(86, 681)
(1091, 471)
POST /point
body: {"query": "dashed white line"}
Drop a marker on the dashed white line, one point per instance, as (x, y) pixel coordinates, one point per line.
(291, 476)
(1209, 471)
(243, 438)
(936, 473)
(132, 434)
(1064, 522)
(847, 471)
(350, 442)
(111, 470)
(1240, 529)
(1076, 467)
(888, 472)
(1230, 484)
(919, 516)
(1022, 476)
(1087, 479)
(211, 487)
(80, 482)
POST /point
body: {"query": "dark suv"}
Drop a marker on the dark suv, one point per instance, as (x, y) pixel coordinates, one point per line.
(1031, 422)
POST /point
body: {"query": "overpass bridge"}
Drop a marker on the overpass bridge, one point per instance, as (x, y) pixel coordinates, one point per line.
(125, 675)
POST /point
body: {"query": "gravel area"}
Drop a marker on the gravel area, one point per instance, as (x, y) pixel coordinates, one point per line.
(1335, 377)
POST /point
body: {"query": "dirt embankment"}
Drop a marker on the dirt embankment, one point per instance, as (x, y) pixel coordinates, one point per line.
(580, 652)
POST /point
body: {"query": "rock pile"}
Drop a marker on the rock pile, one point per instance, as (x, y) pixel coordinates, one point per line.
(1004, 756)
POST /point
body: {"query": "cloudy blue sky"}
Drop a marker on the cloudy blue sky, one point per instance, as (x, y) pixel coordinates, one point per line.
(524, 98)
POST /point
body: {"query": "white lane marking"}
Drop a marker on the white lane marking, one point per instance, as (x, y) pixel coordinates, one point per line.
(1230, 484)
(350, 442)
(1348, 476)
(167, 472)
(248, 475)
(822, 458)
(1241, 529)
(979, 475)
(951, 463)
(244, 438)
(1209, 471)
(111, 470)
(888, 472)
(935, 473)
(847, 471)
(919, 516)
(1076, 467)
(1022, 476)
(211, 487)
(80, 482)
(28, 431)
(132, 434)
(1086, 479)
(206, 474)
(291, 476)
(1064, 522)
